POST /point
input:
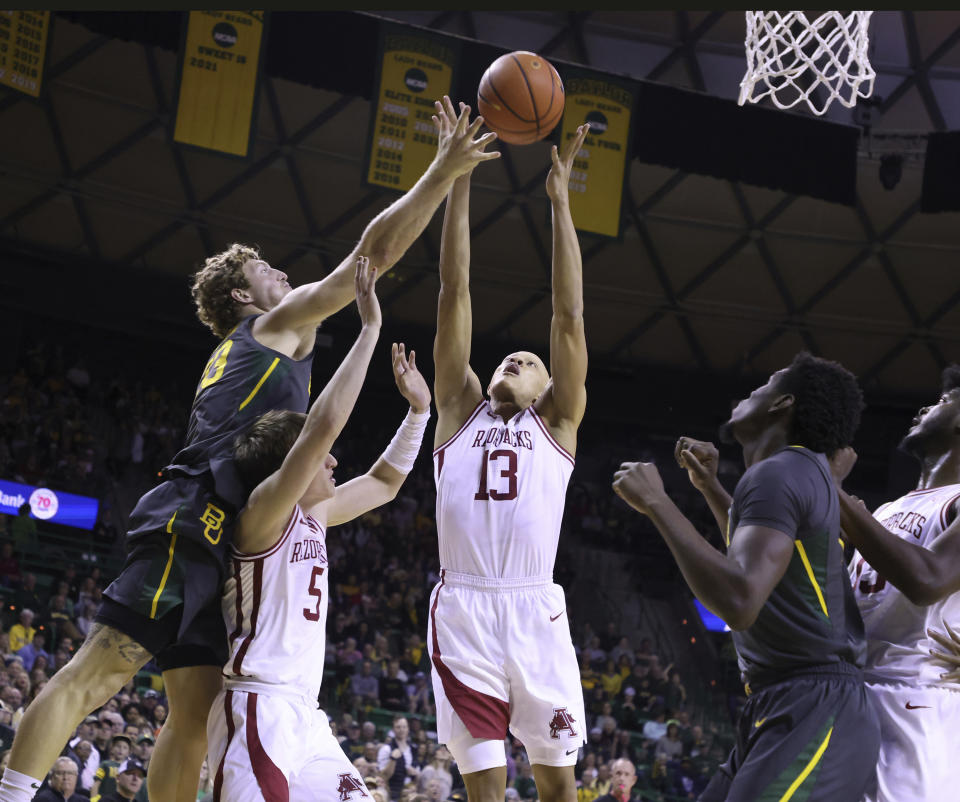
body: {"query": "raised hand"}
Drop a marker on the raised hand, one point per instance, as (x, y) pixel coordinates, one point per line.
(367, 303)
(700, 460)
(639, 484)
(409, 380)
(841, 463)
(558, 179)
(457, 151)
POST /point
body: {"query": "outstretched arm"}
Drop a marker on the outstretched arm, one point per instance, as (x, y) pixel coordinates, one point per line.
(381, 483)
(456, 386)
(565, 400)
(735, 586)
(272, 501)
(923, 575)
(390, 233)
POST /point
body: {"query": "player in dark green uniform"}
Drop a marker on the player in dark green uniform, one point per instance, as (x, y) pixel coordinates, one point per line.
(167, 600)
(807, 731)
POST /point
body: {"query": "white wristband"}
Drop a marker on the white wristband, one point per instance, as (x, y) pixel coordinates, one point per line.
(405, 445)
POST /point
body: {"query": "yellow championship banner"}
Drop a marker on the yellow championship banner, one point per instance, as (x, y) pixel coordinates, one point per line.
(599, 171)
(218, 80)
(414, 72)
(23, 49)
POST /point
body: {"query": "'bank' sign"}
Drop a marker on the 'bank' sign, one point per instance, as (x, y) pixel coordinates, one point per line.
(49, 505)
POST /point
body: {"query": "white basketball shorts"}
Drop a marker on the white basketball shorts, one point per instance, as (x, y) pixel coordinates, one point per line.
(918, 747)
(503, 658)
(271, 748)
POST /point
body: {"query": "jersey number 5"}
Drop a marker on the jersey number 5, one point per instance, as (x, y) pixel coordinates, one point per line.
(313, 590)
(509, 473)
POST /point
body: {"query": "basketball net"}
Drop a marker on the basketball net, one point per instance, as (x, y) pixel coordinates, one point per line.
(789, 57)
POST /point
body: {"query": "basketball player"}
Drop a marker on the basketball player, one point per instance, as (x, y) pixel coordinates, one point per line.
(166, 600)
(267, 738)
(808, 730)
(498, 635)
(906, 578)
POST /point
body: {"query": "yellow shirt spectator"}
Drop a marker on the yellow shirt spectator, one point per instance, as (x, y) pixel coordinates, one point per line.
(21, 633)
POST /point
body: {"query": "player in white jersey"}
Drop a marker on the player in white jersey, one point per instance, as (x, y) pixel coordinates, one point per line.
(498, 635)
(267, 740)
(906, 578)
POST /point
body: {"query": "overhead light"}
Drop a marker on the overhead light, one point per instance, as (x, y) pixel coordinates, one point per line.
(891, 170)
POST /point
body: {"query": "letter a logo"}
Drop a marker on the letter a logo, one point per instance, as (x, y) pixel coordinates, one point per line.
(561, 720)
(349, 784)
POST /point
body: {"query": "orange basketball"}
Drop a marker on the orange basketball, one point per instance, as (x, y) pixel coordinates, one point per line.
(521, 97)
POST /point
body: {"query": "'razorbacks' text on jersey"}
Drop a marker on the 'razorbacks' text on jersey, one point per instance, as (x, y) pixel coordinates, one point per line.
(898, 649)
(275, 609)
(242, 380)
(501, 488)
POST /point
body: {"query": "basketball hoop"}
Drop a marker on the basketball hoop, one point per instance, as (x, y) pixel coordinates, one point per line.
(790, 57)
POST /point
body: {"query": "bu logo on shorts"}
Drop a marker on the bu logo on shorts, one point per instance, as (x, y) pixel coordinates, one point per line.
(213, 519)
(562, 720)
(349, 784)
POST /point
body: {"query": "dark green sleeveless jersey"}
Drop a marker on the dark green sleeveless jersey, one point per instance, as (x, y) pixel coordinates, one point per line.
(243, 379)
(811, 617)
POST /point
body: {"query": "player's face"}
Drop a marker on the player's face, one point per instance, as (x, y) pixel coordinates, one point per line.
(324, 485)
(268, 286)
(936, 424)
(519, 379)
(753, 412)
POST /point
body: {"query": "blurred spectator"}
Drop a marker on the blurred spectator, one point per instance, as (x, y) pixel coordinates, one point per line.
(33, 649)
(24, 531)
(656, 727)
(610, 679)
(9, 566)
(62, 783)
(524, 783)
(396, 760)
(26, 595)
(365, 686)
(623, 778)
(22, 632)
(675, 694)
(393, 694)
(438, 770)
(670, 744)
(420, 694)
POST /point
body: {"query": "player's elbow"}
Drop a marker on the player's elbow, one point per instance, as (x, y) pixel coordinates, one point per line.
(741, 610)
(924, 592)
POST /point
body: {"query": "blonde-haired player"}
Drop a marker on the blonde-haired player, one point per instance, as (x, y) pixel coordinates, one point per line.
(498, 635)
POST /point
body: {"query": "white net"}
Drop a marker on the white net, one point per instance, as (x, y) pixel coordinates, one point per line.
(789, 59)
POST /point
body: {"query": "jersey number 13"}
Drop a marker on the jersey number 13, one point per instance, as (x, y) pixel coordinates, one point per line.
(509, 473)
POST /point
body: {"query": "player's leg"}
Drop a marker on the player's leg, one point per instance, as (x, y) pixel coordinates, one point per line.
(555, 783)
(546, 697)
(103, 665)
(488, 785)
(815, 739)
(257, 743)
(469, 685)
(193, 677)
(327, 775)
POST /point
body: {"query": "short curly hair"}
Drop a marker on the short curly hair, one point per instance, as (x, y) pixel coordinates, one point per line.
(827, 402)
(259, 450)
(212, 284)
(950, 378)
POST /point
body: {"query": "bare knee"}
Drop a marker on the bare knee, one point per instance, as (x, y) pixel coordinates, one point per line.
(555, 783)
(487, 785)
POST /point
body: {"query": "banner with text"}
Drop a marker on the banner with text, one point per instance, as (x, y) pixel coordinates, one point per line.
(219, 74)
(415, 70)
(23, 49)
(600, 169)
(49, 505)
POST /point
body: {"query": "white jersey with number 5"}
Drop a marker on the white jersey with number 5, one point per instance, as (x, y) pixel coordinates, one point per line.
(275, 608)
(897, 642)
(501, 489)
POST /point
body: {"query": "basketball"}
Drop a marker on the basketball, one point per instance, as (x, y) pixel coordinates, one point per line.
(521, 97)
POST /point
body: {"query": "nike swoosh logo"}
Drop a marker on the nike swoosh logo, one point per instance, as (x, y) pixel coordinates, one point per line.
(759, 722)
(554, 618)
(571, 751)
(917, 707)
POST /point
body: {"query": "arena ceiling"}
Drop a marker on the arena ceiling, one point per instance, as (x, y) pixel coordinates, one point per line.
(710, 275)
